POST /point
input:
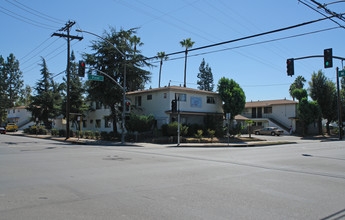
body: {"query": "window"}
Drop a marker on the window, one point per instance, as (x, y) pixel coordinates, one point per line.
(138, 100)
(84, 123)
(181, 97)
(107, 123)
(149, 97)
(91, 121)
(98, 123)
(267, 110)
(211, 100)
(14, 111)
(98, 105)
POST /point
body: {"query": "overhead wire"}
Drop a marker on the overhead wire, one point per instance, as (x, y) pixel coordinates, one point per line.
(40, 51)
(32, 22)
(36, 13)
(20, 19)
(270, 65)
(245, 38)
(253, 44)
(321, 13)
(48, 16)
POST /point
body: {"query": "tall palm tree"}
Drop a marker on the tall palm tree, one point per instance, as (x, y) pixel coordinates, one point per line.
(297, 84)
(187, 43)
(161, 56)
(134, 41)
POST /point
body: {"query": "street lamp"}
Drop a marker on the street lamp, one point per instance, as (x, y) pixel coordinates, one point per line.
(124, 81)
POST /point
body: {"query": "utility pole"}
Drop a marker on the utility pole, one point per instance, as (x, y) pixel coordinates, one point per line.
(69, 37)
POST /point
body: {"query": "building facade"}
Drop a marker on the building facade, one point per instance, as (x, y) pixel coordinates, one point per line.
(19, 115)
(277, 113)
(194, 105)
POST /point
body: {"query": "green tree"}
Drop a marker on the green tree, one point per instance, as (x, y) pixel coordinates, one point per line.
(161, 56)
(299, 94)
(297, 84)
(11, 83)
(14, 79)
(323, 91)
(186, 43)
(107, 59)
(308, 112)
(77, 91)
(232, 96)
(3, 93)
(25, 96)
(205, 76)
(46, 104)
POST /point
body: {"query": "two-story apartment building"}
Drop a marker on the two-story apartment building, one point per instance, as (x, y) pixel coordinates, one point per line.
(278, 113)
(20, 116)
(194, 105)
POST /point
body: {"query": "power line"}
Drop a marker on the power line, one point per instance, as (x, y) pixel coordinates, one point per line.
(253, 44)
(39, 52)
(35, 48)
(247, 37)
(45, 17)
(321, 13)
(21, 18)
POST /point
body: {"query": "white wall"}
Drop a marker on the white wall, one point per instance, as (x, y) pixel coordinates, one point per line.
(159, 105)
(282, 113)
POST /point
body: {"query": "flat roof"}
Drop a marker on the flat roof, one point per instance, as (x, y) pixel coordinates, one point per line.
(267, 103)
(171, 88)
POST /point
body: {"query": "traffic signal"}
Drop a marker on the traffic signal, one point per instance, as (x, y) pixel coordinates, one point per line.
(290, 67)
(81, 69)
(328, 58)
(128, 106)
(174, 106)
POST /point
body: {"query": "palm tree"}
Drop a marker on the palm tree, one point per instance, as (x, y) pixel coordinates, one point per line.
(187, 43)
(161, 56)
(297, 84)
(135, 41)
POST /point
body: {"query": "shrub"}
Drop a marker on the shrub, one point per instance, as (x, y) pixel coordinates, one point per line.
(54, 132)
(165, 130)
(172, 129)
(193, 129)
(62, 133)
(211, 133)
(104, 135)
(198, 134)
(140, 123)
(97, 135)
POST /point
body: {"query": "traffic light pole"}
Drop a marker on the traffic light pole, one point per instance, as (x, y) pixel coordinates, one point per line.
(124, 81)
(340, 124)
(178, 121)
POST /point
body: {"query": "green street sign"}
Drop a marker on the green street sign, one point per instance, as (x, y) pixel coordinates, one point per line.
(341, 73)
(96, 77)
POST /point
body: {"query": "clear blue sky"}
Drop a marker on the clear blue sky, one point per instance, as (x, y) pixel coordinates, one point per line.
(259, 69)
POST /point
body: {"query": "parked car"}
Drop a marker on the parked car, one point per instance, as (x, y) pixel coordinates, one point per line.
(2, 130)
(12, 127)
(269, 130)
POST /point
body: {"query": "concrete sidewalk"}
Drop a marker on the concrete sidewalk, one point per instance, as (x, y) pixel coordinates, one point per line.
(83, 141)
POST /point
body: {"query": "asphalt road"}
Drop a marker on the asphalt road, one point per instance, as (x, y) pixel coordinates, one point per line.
(45, 179)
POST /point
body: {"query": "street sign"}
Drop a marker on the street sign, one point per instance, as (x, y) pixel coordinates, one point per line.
(341, 73)
(96, 77)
